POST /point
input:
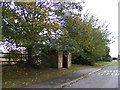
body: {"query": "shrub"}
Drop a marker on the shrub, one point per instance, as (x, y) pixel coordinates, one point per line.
(83, 59)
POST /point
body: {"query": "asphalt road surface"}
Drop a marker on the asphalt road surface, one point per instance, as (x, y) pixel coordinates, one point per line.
(106, 78)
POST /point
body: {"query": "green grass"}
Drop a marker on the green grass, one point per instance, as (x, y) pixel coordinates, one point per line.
(100, 63)
(14, 76)
(113, 64)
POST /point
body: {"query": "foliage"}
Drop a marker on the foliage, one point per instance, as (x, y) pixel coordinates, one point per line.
(15, 55)
(28, 24)
(47, 26)
(25, 24)
(89, 38)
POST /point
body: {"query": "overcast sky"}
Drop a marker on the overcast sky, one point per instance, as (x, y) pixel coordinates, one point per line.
(106, 10)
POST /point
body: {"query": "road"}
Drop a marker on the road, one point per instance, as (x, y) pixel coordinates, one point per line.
(105, 78)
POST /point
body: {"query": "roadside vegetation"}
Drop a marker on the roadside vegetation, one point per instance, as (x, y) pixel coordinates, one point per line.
(14, 76)
(46, 26)
(54, 26)
(113, 64)
(101, 63)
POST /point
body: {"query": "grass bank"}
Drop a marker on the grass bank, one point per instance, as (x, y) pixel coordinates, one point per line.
(113, 64)
(100, 63)
(13, 76)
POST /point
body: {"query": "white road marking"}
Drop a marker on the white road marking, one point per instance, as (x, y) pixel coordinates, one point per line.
(105, 71)
(116, 74)
(111, 73)
(107, 74)
(114, 71)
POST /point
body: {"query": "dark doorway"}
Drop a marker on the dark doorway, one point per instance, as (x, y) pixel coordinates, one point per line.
(65, 61)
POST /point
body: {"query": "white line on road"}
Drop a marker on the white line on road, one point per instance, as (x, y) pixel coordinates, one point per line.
(111, 73)
(116, 74)
(107, 74)
(105, 71)
(114, 71)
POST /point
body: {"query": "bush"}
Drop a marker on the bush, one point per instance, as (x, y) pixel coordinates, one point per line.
(83, 59)
(15, 55)
(105, 58)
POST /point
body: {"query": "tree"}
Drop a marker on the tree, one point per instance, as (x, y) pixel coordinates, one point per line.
(90, 39)
(25, 24)
(55, 25)
(62, 10)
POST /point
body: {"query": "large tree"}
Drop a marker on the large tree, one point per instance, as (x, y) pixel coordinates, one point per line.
(90, 39)
(37, 24)
(25, 24)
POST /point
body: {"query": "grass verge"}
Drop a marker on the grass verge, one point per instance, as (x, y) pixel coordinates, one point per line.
(101, 63)
(13, 76)
(113, 64)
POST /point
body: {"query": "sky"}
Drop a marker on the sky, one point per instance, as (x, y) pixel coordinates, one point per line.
(106, 10)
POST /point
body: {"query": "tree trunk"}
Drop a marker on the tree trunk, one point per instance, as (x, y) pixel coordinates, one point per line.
(29, 62)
